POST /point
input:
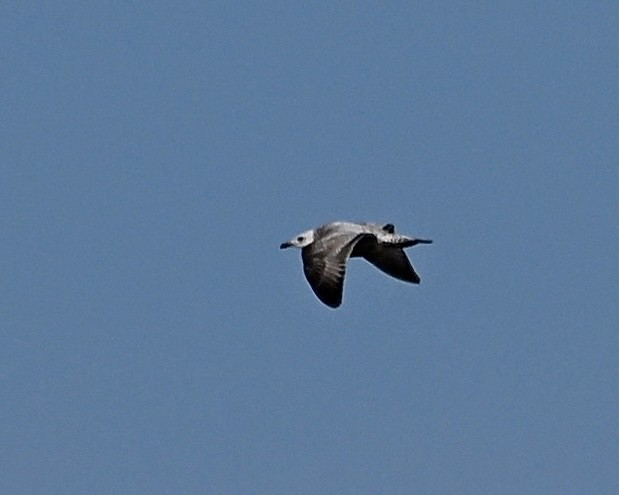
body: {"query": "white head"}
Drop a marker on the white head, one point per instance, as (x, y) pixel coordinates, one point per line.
(300, 241)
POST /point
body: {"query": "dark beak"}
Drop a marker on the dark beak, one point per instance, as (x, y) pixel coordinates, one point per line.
(285, 245)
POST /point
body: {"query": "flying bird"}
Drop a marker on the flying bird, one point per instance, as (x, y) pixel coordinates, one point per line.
(326, 249)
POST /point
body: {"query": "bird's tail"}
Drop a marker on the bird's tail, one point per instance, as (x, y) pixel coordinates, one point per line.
(408, 242)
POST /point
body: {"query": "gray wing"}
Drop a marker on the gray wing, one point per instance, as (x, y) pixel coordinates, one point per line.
(393, 261)
(324, 264)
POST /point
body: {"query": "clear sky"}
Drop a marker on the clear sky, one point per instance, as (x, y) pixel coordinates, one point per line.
(154, 339)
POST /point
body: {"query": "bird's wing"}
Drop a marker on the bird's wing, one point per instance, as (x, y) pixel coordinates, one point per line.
(324, 264)
(393, 261)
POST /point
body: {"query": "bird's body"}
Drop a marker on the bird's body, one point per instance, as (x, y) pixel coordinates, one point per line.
(326, 249)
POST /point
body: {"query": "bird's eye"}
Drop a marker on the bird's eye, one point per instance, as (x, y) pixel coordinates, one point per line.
(300, 238)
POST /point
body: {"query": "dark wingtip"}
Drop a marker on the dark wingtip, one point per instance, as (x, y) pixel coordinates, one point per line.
(332, 305)
(330, 299)
(413, 278)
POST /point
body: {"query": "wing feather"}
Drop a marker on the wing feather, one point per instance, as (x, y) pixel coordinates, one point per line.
(393, 261)
(324, 265)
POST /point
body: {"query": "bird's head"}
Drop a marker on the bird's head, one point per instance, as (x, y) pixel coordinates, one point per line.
(300, 241)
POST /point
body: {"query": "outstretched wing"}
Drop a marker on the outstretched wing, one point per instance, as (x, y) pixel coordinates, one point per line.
(324, 264)
(393, 261)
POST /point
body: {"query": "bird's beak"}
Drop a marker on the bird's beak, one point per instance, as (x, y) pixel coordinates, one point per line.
(285, 245)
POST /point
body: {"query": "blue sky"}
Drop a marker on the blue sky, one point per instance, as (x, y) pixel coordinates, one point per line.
(155, 339)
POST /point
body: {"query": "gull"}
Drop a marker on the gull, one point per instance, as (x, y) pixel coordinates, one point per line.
(326, 249)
